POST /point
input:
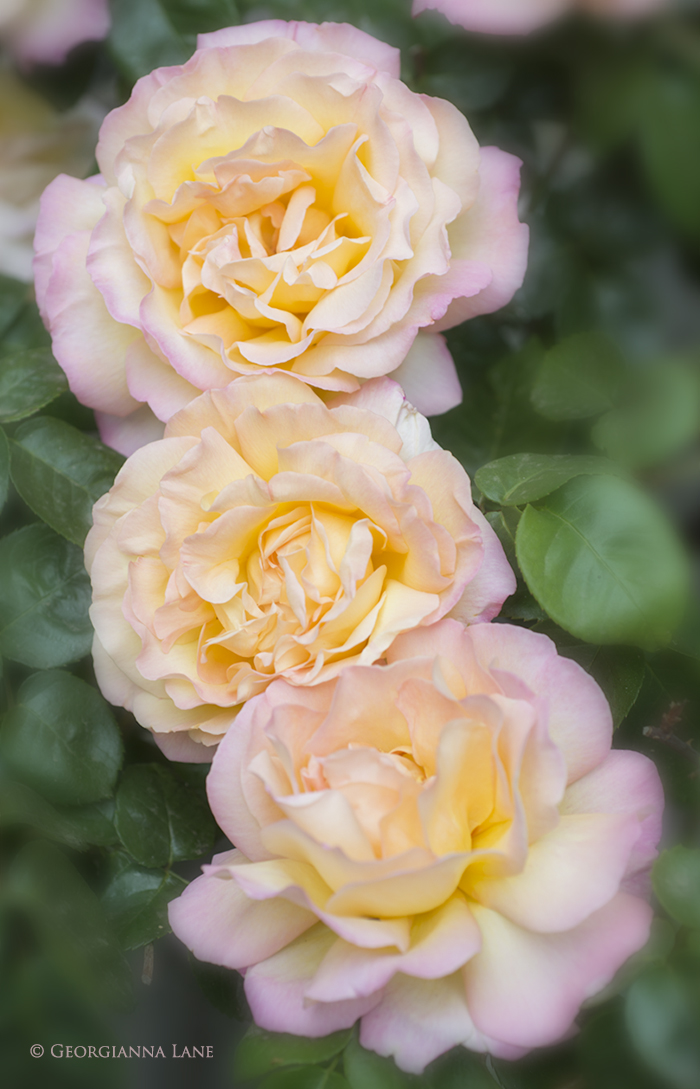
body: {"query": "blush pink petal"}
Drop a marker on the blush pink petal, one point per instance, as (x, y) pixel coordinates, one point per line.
(182, 749)
(276, 990)
(484, 596)
(525, 988)
(89, 345)
(218, 923)
(440, 944)
(571, 872)
(493, 234)
(419, 1019)
(327, 37)
(111, 263)
(428, 376)
(625, 782)
(495, 16)
(126, 434)
(53, 27)
(67, 206)
(573, 695)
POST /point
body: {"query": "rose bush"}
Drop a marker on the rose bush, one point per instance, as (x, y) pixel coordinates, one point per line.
(45, 31)
(36, 144)
(524, 16)
(280, 201)
(269, 535)
(445, 847)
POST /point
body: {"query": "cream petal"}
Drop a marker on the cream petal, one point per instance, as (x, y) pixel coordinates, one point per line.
(525, 989)
(573, 696)
(218, 922)
(570, 873)
(419, 1019)
(276, 990)
(441, 942)
(428, 376)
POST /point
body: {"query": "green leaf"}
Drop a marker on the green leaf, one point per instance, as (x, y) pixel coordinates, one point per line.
(136, 901)
(75, 826)
(367, 1070)
(4, 468)
(61, 739)
(223, 988)
(459, 1069)
(70, 921)
(577, 378)
(259, 1051)
(44, 599)
(20, 805)
(161, 816)
(662, 416)
(523, 478)
(61, 473)
(200, 16)
(618, 670)
(662, 1019)
(676, 880)
(304, 1077)
(605, 1057)
(604, 563)
(13, 295)
(143, 38)
(93, 823)
(29, 379)
(670, 141)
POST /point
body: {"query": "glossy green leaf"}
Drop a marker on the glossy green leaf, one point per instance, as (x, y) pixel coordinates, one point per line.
(29, 379)
(162, 816)
(75, 826)
(136, 900)
(200, 16)
(676, 878)
(618, 670)
(4, 468)
(366, 1070)
(44, 599)
(660, 418)
(223, 989)
(662, 1014)
(143, 37)
(603, 562)
(93, 823)
(13, 294)
(577, 378)
(604, 1056)
(304, 1077)
(20, 805)
(70, 921)
(260, 1052)
(670, 141)
(523, 478)
(61, 473)
(458, 1069)
(61, 739)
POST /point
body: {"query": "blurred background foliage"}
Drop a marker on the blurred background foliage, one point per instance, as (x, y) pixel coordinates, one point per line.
(580, 427)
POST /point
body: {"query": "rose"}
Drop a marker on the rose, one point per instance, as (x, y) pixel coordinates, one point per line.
(524, 16)
(36, 143)
(445, 847)
(268, 535)
(45, 31)
(280, 201)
